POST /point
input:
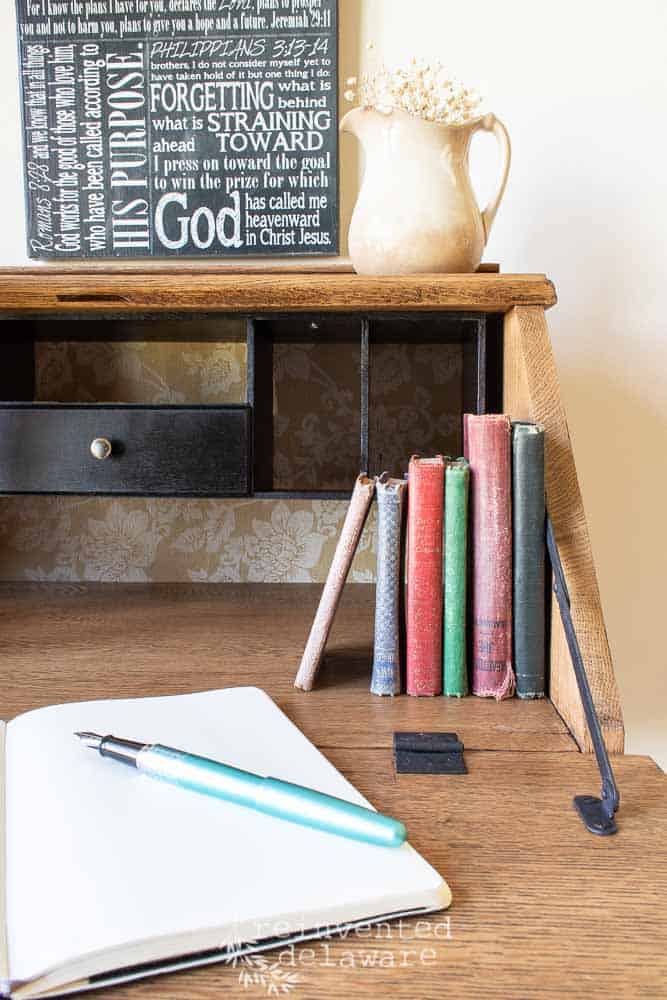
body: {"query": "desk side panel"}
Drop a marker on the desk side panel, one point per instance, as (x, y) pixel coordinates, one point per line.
(532, 392)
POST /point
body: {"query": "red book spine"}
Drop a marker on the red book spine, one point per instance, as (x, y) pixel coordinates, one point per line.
(488, 450)
(426, 495)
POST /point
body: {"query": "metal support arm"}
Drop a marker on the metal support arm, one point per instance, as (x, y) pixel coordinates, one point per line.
(596, 813)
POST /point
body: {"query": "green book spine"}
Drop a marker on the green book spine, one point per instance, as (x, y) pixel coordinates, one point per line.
(457, 486)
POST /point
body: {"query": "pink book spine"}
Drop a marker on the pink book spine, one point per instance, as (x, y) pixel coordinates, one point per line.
(353, 525)
(487, 441)
(426, 490)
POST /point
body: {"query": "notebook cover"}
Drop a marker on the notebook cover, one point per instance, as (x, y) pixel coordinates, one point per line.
(386, 677)
(487, 441)
(184, 962)
(340, 567)
(455, 667)
(529, 516)
(426, 489)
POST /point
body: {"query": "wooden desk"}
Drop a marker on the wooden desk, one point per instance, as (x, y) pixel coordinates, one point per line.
(507, 364)
(541, 907)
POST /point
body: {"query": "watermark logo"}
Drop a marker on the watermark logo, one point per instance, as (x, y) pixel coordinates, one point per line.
(271, 977)
(384, 945)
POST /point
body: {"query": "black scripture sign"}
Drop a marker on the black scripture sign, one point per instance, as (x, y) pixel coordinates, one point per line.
(180, 127)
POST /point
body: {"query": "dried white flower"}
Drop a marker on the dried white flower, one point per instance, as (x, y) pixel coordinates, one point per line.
(423, 89)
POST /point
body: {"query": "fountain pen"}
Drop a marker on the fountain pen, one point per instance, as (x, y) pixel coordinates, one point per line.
(272, 796)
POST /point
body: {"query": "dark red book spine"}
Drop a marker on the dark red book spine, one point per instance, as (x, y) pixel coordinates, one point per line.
(487, 441)
(426, 495)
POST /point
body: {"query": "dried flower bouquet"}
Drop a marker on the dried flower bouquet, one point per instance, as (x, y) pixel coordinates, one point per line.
(423, 89)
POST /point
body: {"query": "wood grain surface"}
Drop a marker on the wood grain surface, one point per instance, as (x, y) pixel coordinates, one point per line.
(532, 392)
(175, 290)
(262, 265)
(541, 908)
(66, 642)
(208, 265)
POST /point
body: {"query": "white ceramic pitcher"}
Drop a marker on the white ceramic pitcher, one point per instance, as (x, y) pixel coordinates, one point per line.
(417, 212)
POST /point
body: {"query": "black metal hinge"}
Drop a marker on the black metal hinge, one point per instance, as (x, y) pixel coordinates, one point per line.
(428, 753)
(597, 813)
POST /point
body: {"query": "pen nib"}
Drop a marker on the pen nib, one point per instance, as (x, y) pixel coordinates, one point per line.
(91, 740)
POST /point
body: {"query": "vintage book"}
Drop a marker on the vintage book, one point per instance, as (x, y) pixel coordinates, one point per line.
(353, 525)
(112, 876)
(426, 493)
(488, 450)
(529, 515)
(386, 678)
(455, 663)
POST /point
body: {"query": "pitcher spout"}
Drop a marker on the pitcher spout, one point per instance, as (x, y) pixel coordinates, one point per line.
(359, 121)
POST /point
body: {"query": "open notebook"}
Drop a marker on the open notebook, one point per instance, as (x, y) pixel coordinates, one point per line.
(110, 875)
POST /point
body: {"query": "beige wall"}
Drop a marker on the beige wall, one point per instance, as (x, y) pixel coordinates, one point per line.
(583, 90)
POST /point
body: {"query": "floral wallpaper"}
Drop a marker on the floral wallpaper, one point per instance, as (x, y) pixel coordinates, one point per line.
(415, 406)
(136, 541)
(416, 393)
(317, 401)
(148, 372)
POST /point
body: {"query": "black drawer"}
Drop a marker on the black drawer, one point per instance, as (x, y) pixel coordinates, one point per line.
(155, 450)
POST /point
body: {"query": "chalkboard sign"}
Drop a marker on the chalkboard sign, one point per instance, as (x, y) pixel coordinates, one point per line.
(180, 127)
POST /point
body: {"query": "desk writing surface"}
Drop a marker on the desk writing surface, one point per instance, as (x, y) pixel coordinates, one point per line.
(71, 642)
(570, 915)
(540, 906)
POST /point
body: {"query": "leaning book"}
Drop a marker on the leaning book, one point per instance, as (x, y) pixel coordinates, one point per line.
(110, 876)
(357, 512)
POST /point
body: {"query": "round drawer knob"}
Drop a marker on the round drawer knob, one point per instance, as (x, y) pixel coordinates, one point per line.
(100, 448)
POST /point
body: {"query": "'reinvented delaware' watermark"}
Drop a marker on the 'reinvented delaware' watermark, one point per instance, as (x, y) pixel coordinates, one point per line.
(401, 944)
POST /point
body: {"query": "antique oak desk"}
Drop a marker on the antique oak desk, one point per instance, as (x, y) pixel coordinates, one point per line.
(541, 907)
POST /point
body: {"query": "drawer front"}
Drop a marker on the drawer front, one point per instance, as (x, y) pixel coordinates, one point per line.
(155, 451)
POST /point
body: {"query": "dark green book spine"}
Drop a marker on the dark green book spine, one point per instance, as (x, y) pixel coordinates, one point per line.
(529, 555)
(455, 671)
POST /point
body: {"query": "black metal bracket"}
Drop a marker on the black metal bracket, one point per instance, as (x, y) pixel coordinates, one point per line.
(428, 753)
(597, 814)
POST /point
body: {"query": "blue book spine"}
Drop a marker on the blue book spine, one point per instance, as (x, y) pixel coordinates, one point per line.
(386, 679)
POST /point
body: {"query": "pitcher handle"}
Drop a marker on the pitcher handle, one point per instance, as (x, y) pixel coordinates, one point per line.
(489, 123)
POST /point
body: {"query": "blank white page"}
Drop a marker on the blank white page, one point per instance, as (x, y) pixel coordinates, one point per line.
(100, 856)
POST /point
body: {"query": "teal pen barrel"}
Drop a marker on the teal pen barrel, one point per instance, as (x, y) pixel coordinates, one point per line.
(271, 796)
